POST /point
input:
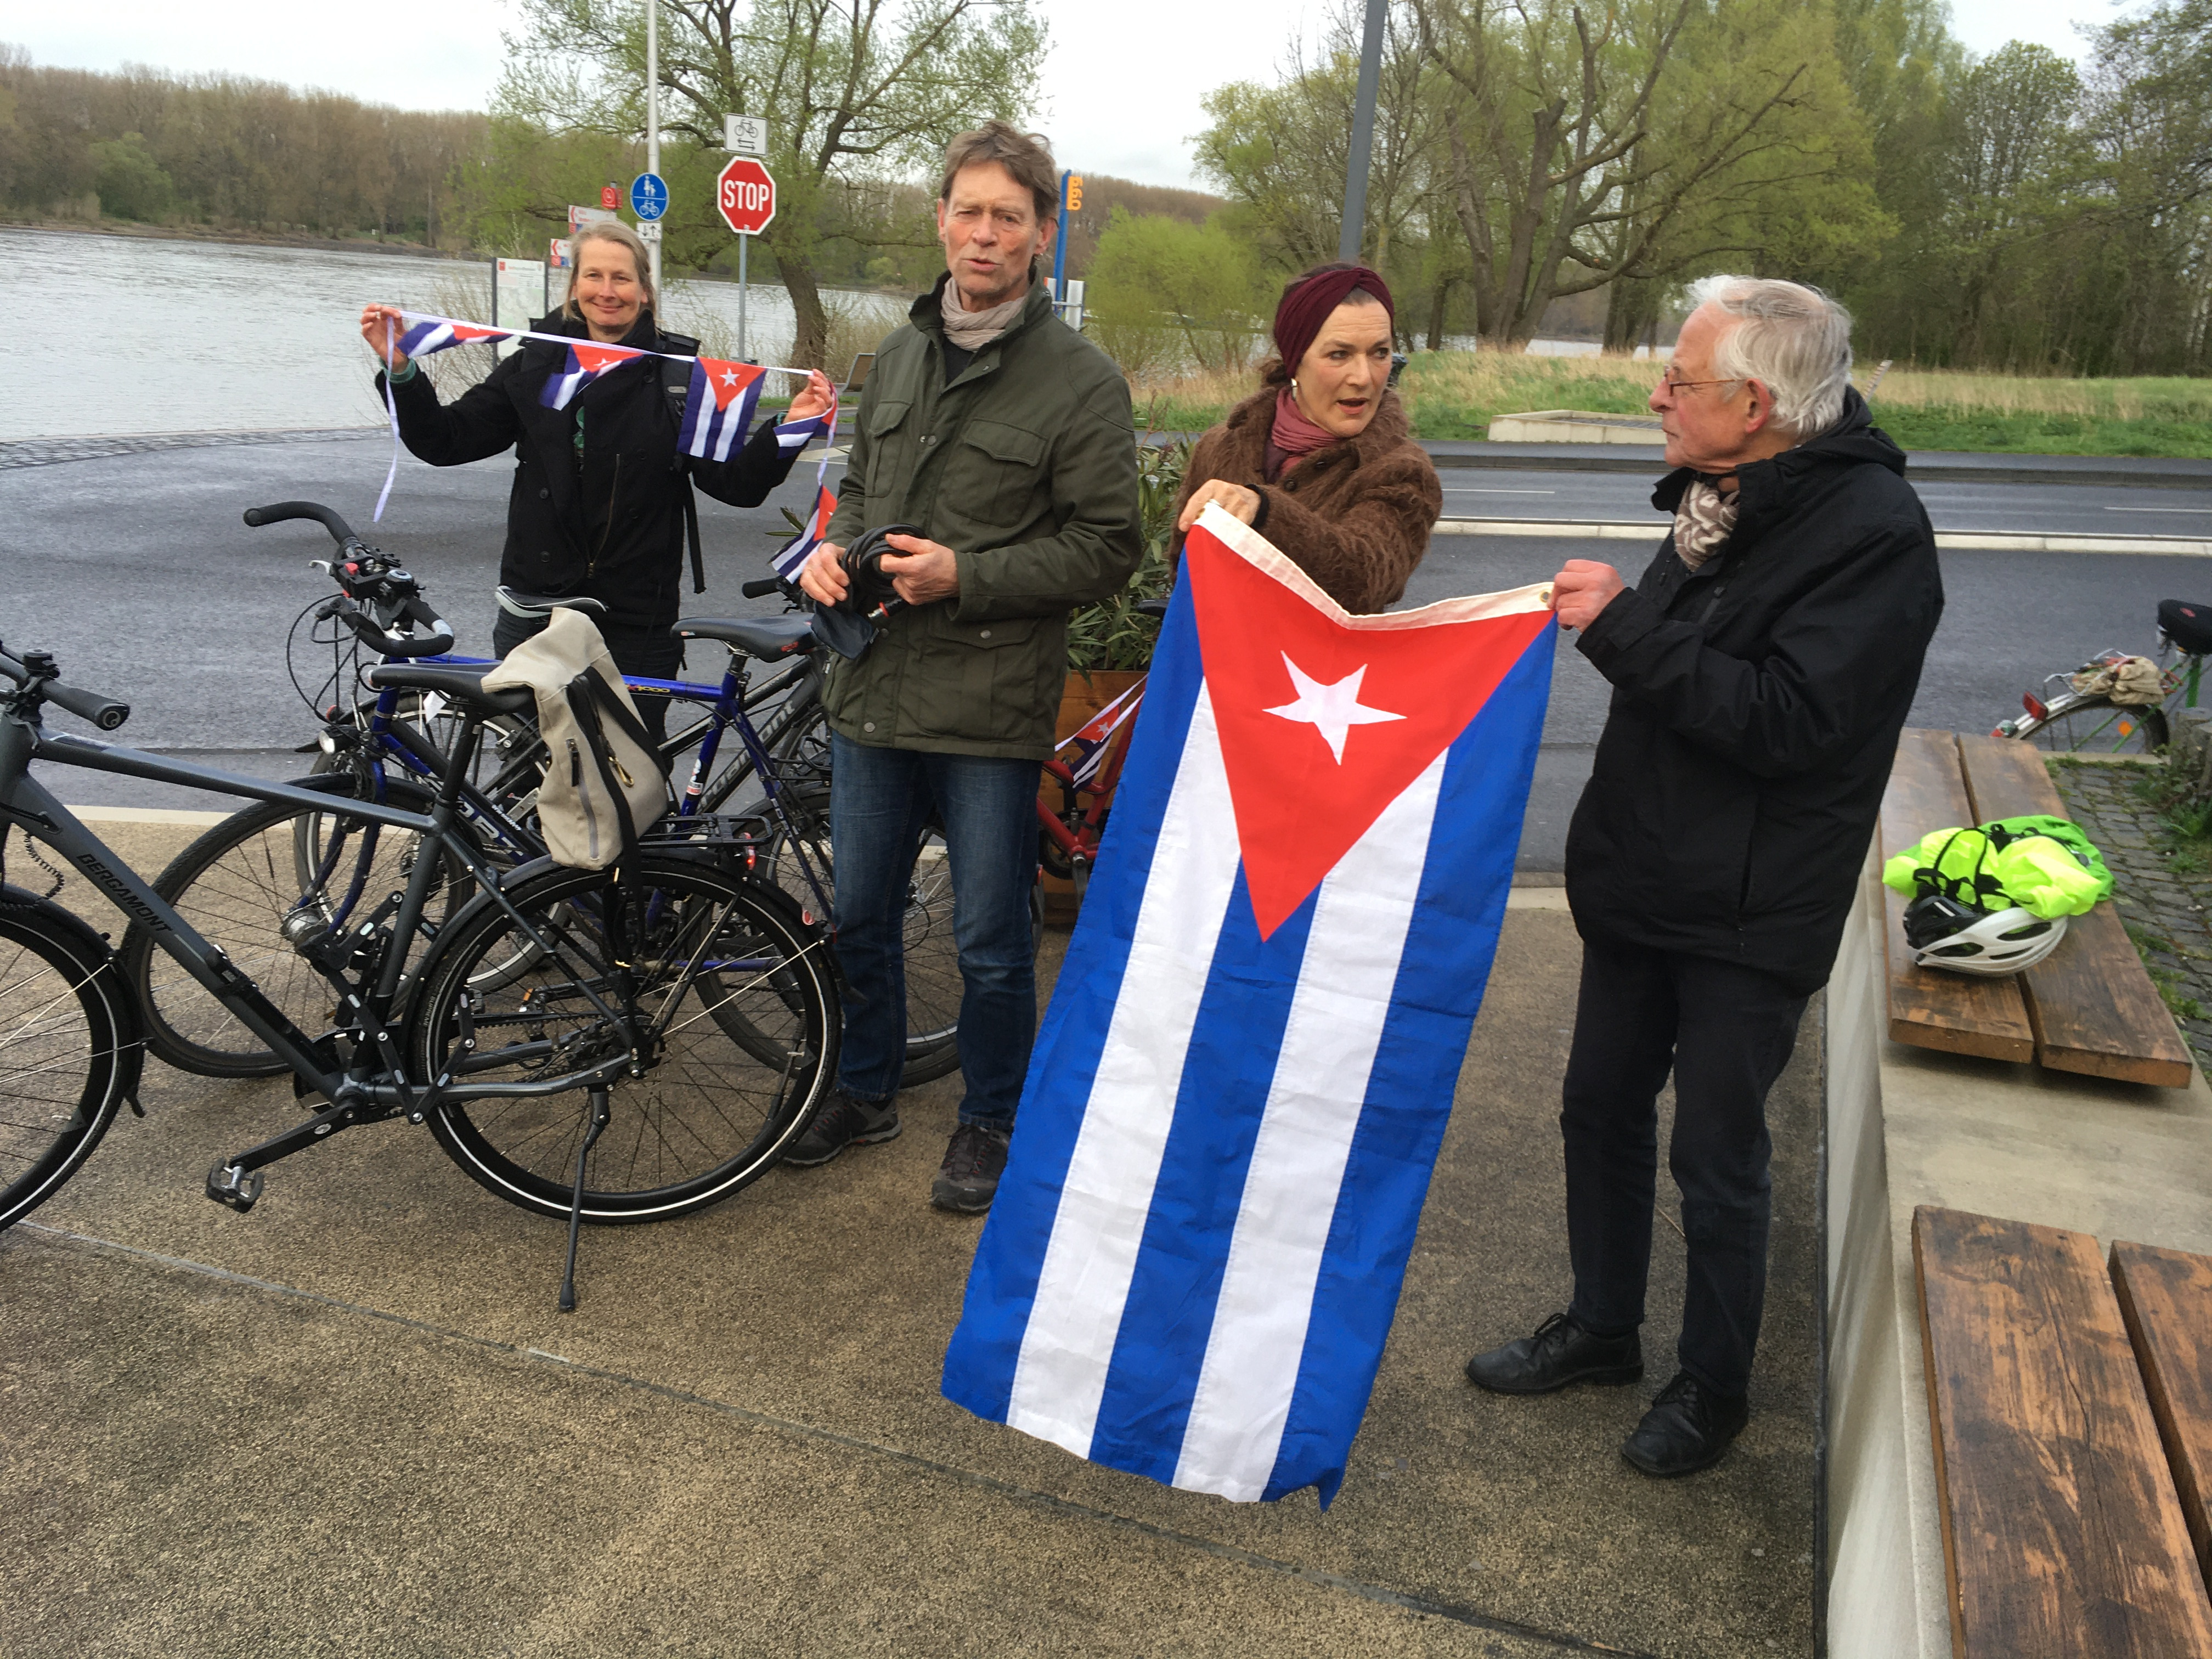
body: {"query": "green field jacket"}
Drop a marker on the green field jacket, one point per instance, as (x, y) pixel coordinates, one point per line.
(1025, 466)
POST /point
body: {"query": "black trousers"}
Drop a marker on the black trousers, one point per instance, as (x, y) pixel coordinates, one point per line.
(1725, 1032)
(652, 652)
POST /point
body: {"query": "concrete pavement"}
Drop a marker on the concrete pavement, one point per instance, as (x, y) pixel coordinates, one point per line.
(352, 1422)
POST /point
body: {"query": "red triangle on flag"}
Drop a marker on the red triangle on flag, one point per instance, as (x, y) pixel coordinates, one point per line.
(1326, 718)
(594, 359)
(727, 379)
(465, 332)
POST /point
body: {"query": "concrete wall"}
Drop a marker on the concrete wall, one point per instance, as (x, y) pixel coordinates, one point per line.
(1886, 1584)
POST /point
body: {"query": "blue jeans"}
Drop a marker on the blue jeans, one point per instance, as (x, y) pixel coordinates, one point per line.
(880, 799)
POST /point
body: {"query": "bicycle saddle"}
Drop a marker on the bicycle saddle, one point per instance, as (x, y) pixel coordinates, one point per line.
(2188, 625)
(757, 636)
(516, 603)
(461, 684)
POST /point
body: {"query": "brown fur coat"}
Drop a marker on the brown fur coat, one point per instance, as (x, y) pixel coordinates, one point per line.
(1355, 516)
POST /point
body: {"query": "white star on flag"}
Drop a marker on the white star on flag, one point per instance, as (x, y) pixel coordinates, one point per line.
(729, 376)
(1332, 710)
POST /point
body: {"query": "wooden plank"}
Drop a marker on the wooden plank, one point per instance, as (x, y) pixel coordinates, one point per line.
(2093, 1006)
(2062, 1534)
(2166, 1297)
(1959, 1014)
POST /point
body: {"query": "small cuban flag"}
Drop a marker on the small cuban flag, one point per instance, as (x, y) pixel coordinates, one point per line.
(720, 408)
(587, 362)
(437, 333)
(1083, 754)
(1235, 1099)
(793, 553)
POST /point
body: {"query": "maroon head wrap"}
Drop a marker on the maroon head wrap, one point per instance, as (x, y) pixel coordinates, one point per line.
(1307, 301)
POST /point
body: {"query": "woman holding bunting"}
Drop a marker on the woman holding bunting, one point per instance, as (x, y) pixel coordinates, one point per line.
(601, 487)
(1321, 460)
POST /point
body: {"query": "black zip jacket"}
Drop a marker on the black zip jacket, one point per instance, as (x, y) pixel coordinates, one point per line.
(1755, 711)
(606, 523)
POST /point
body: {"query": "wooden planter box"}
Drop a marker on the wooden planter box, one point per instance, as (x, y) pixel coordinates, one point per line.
(1085, 694)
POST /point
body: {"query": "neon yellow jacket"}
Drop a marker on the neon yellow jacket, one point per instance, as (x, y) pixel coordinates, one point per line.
(2045, 865)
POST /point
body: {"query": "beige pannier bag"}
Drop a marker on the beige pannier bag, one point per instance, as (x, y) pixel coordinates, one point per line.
(604, 783)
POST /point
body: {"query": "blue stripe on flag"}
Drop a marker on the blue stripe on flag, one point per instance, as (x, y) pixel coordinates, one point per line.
(980, 1362)
(1454, 936)
(1227, 1077)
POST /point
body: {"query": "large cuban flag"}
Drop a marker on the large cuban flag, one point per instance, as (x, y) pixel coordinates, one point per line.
(1237, 1098)
(718, 407)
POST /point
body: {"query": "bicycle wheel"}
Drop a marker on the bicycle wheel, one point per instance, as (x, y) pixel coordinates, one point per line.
(710, 1117)
(248, 885)
(933, 985)
(69, 1051)
(2095, 725)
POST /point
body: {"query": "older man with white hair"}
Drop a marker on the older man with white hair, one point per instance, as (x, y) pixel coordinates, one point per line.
(1761, 669)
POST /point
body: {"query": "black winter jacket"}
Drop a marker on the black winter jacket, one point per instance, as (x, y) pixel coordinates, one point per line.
(606, 523)
(1755, 711)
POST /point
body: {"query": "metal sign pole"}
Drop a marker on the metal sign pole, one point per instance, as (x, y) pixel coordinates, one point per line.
(1060, 248)
(1352, 232)
(743, 240)
(652, 118)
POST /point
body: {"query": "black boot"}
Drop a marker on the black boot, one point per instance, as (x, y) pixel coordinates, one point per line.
(1560, 1352)
(1687, 1429)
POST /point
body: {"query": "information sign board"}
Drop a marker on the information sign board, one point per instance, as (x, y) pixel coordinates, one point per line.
(518, 297)
(744, 135)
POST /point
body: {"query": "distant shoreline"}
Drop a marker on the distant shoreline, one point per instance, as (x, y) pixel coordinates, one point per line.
(127, 229)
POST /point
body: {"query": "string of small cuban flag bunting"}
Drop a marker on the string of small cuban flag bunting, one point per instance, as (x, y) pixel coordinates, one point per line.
(716, 414)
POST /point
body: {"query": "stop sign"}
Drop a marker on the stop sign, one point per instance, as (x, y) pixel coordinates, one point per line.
(745, 195)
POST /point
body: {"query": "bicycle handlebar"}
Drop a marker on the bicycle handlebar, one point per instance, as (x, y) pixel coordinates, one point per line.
(279, 512)
(106, 712)
(412, 612)
(762, 588)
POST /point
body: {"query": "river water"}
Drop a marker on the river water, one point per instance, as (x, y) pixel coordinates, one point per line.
(137, 334)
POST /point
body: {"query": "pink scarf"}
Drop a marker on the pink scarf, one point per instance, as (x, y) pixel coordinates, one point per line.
(1293, 437)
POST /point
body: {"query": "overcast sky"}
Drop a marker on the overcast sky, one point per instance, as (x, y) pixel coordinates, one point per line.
(1121, 88)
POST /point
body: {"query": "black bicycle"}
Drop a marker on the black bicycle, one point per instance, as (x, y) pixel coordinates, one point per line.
(609, 1047)
(243, 882)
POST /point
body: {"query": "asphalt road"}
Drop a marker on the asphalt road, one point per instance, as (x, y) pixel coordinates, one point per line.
(136, 572)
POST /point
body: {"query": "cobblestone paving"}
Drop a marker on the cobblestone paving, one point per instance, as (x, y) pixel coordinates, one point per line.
(46, 452)
(2163, 886)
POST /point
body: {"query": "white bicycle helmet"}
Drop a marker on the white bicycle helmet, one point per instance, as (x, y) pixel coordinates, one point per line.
(1944, 934)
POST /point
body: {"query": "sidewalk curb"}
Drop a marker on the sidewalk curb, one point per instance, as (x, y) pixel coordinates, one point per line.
(1990, 541)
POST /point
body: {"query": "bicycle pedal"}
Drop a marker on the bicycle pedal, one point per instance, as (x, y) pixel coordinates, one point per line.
(233, 1188)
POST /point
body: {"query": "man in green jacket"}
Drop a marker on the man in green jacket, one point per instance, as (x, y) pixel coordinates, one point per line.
(1005, 439)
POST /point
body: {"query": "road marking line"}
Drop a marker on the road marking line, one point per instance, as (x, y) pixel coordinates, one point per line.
(1988, 541)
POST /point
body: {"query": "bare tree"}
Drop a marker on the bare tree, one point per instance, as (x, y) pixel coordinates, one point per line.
(1567, 162)
(849, 88)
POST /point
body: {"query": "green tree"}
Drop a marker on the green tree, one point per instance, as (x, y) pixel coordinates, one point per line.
(851, 90)
(131, 182)
(1159, 283)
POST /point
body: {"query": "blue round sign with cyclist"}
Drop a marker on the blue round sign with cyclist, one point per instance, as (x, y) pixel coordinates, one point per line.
(648, 196)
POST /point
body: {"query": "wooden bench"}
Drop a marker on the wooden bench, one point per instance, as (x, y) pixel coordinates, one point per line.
(2062, 1531)
(1956, 1012)
(2089, 1007)
(2166, 1297)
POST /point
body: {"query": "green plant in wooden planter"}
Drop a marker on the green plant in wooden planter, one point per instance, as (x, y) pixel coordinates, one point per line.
(1114, 632)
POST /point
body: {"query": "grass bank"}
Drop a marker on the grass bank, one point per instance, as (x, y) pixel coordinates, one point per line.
(1454, 394)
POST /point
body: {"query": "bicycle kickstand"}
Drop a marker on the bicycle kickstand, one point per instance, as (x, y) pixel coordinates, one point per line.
(596, 1100)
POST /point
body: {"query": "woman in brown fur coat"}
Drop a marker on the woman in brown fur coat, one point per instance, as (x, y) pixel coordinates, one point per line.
(1321, 461)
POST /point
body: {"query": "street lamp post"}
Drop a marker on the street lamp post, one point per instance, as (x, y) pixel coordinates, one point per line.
(653, 119)
(1352, 233)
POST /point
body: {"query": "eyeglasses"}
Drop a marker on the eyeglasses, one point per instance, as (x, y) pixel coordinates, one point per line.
(1675, 388)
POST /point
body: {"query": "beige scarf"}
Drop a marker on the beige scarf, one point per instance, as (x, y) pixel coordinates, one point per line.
(1703, 519)
(971, 330)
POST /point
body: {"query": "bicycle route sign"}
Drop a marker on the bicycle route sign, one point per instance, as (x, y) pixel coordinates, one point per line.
(648, 196)
(745, 195)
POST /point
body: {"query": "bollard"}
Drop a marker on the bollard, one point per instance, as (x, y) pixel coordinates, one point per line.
(2189, 750)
